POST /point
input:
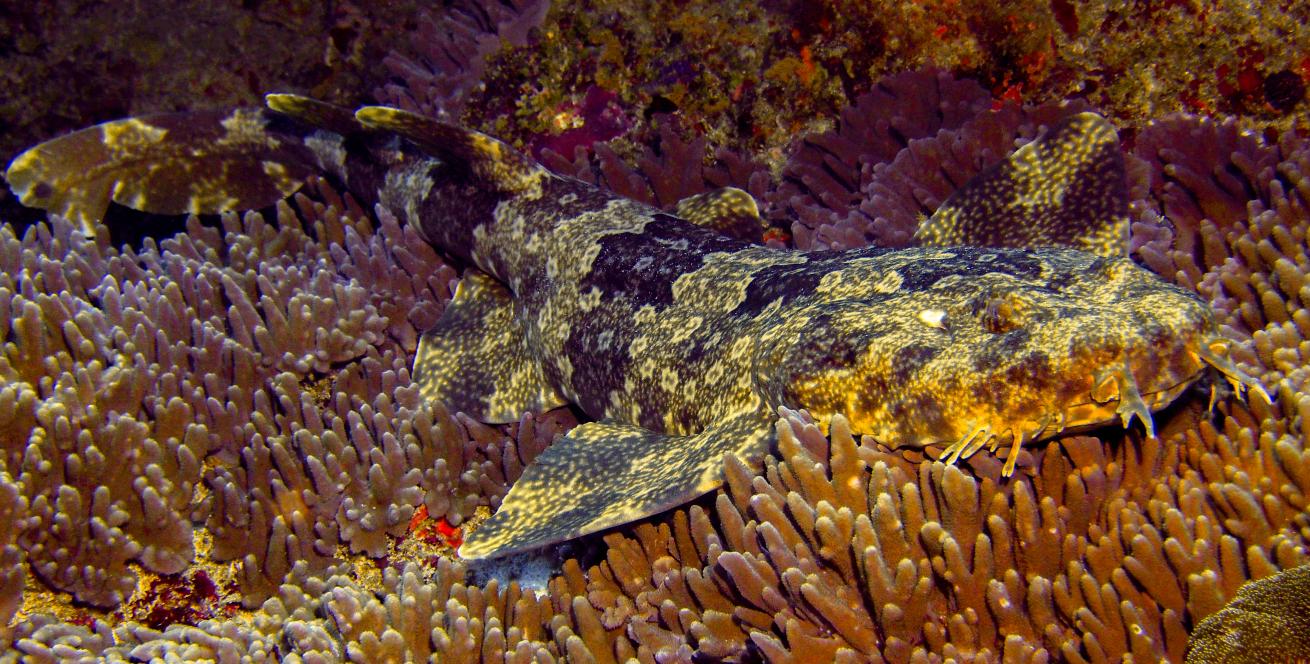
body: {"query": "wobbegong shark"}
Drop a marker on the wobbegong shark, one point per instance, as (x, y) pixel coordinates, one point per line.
(1016, 315)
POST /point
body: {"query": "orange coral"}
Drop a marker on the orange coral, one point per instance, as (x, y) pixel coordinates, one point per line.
(838, 548)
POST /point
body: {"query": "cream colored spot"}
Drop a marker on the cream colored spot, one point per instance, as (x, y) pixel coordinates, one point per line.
(330, 151)
(210, 195)
(889, 283)
(720, 283)
(273, 169)
(245, 127)
(136, 201)
(715, 373)
(279, 177)
(646, 315)
(130, 134)
(23, 162)
(669, 380)
(404, 188)
(566, 371)
(933, 318)
(686, 329)
(590, 300)
(647, 369)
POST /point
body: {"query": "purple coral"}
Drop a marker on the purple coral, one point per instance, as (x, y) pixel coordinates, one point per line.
(452, 49)
(663, 175)
(826, 175)
(276, 356)
(314, 439)
(895, 155)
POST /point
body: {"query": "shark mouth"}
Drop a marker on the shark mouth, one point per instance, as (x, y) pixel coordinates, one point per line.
(1114, 392)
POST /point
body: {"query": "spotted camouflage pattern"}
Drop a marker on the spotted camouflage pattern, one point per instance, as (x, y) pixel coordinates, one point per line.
(681, 342)
(169, 163)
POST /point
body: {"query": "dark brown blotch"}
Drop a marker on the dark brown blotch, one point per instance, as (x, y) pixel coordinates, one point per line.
(643, 266)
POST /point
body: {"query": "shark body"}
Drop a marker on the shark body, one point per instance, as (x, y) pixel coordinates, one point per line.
(1016, 317)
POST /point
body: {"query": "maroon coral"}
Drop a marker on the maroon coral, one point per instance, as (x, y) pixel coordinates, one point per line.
(673, 169)
(451, 50)
(825, 179)
(276, 356)
(1108, 547)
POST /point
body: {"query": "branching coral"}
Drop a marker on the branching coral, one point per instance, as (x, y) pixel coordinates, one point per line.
(147, 389)
(839, 550)
(663, 176)
(1228, 216)
(898, 152)
(823, 180)
(842, 548)
(12, 511)
(328, 617)
(453, 46)
(278, 415)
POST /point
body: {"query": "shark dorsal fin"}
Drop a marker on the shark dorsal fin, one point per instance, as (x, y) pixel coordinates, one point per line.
(496, 164)
(728, 210)
(1065, 189)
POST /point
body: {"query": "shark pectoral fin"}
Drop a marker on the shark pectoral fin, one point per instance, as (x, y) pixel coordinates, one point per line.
(601, 474)
(168, 163)
(476, 358)
(1067, 188)
(728, 210)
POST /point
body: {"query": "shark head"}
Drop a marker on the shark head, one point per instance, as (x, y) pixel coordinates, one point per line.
(991, 347)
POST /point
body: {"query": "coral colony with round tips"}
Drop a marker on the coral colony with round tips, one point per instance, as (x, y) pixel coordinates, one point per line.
(947, 377)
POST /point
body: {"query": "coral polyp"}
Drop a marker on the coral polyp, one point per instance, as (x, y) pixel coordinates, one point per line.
(235, 401)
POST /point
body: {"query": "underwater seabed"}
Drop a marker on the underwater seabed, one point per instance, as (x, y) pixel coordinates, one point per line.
(211, 448)
(117, 361)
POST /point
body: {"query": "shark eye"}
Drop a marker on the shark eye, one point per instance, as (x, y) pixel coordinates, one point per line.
(1112, 269)
(1000, 312)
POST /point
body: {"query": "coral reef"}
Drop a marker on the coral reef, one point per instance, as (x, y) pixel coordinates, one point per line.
(751, 77)
(895, 155)
(281, 419)
(256, 383)
(836, 551)
(1268, 622)
(225, 417)
(451, 50)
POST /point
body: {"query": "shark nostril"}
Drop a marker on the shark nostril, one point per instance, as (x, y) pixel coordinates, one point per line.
(1214, 352)
(1116, 381)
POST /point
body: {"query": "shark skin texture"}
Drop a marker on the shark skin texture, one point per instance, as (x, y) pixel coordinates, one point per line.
(1015, 317)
